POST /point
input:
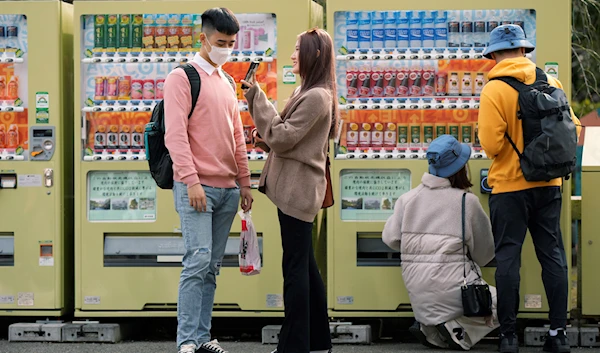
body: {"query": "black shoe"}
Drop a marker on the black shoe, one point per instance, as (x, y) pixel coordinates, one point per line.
(509, 343)
(449, 336)
(558, 343)
(211, 347)
(415, 329)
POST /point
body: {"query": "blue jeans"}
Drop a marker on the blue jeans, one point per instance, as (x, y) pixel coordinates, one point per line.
(205, 237)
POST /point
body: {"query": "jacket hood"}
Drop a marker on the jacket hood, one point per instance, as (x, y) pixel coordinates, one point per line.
(520, 68)
(434, 182)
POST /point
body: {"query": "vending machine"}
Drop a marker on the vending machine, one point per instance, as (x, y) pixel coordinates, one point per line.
(128, 237)
(36, 191)
(405, 76)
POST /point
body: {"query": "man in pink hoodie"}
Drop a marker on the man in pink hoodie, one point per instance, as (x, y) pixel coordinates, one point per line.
(210, 167)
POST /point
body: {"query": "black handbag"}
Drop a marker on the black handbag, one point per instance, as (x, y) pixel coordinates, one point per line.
(476, 298)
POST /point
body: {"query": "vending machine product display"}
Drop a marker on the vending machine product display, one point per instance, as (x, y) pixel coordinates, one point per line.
(35, 158)
(406, 76)
(128, 242)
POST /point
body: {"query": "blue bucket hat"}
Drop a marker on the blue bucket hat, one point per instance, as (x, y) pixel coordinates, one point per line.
(446, 156)
(507, 37)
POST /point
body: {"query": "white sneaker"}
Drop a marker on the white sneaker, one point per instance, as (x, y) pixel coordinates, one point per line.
(187, 348)
(211, 347)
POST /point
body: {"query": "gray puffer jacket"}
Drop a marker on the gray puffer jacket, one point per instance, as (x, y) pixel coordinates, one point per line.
(426, 227)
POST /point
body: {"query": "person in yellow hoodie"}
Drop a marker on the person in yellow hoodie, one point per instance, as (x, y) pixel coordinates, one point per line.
(517, 204)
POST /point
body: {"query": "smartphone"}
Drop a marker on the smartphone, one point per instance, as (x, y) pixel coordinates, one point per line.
(251, 70)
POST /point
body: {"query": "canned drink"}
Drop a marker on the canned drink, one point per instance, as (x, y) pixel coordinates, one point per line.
(414, 85)
(112, 137)
(466, 87)
(466, 133)
(479, 83)
(389, 138)
(125, 87)
(453, 84)
(352, 83)
(429, 80)
(377, 81)
(364, 135)
(148, 89)
(137, 137)
(454, 131)
(352, 135)
(100, 90)
(125, 137)
(100, 138)
(428, 133)
(185, 32)
(416, 137)
(390, 83)
(476, 142)
(377, 136)
(160, 88)
(441, 84)
(402, 135)
(402, 79)
(137, 87)
(112, 87)
(440, 129)
(364, 79)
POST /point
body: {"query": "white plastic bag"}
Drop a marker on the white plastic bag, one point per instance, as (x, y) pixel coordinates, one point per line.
(249, 255)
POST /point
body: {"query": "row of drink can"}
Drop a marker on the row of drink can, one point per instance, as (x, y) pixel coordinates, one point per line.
(405, 136)
(119, 137)
(424, 29)
(419, 79)
(126, 88)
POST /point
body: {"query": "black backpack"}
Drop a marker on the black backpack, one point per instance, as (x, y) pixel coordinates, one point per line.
(157, 154)
(549, 133)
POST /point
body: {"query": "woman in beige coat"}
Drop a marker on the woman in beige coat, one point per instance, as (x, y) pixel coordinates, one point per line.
(294, 179)
(427, 229)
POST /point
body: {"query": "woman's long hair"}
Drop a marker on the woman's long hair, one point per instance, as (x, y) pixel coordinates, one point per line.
(317, 69)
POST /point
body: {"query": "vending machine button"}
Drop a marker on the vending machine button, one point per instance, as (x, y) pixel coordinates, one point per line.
(122, 158)
(109, 158)
(135, 158)
(97, 158)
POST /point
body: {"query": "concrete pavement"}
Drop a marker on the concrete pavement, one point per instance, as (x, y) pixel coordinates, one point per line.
(237, 347)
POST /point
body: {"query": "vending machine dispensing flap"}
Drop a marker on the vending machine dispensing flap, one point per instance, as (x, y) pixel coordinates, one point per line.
(8, 181)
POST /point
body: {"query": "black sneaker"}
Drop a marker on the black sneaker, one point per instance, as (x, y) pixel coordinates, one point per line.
(558, 343)
(415, 329)
(211, 347)
(452, 337)
(509, 343)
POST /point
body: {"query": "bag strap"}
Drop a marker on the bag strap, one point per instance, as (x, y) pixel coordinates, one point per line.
(464, 245)
(464, 198)
(194, 78)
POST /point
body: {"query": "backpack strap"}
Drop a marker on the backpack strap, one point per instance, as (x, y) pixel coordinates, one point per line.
(230, 79)
(194, 78)
(540, 75)
(514, 83)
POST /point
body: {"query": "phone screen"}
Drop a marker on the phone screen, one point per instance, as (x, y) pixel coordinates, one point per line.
(251, 70)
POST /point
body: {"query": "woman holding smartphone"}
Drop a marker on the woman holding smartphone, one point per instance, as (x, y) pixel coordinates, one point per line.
(294, 180)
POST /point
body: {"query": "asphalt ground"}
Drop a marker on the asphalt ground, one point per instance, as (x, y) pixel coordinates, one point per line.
(236, 347)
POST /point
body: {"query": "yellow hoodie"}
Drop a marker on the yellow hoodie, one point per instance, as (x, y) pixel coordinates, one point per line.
(497, 115)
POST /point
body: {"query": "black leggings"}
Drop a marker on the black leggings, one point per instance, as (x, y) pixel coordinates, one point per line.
(306, 324)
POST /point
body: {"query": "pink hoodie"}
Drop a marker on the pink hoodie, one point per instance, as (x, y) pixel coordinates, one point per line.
(210, 147)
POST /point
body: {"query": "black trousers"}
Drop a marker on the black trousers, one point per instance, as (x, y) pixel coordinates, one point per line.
(306, 324)
(512, 214)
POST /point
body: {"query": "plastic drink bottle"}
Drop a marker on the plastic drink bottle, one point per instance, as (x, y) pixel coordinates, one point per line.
(389, 26)
(402, 29)
(352, 30)
(377, 29)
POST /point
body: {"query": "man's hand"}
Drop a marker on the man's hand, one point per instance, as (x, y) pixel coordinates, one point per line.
(246, 198)
(197, 197)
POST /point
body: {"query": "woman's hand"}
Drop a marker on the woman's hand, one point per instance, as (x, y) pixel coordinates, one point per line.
(248, 84)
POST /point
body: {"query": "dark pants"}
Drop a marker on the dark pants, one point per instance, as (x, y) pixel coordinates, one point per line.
(512, 214)
(306, 324)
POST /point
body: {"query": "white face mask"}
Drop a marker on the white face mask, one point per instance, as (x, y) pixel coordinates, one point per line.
(217, 55)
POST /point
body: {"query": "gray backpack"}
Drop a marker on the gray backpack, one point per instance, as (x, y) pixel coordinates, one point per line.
(549, 132)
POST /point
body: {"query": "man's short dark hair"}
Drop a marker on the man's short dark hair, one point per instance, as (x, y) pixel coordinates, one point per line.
(221, 20)
(511, 51)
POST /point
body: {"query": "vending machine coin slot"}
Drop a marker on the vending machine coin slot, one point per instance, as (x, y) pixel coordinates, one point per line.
(43, 143)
